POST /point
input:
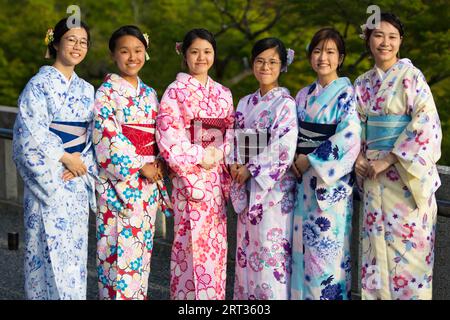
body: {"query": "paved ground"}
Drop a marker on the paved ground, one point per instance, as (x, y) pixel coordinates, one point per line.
(11, 262)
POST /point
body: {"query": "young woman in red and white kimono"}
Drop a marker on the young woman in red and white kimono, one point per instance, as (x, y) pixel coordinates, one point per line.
(129, 188)
(199, 175)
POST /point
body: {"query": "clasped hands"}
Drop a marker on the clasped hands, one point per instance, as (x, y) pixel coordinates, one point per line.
(211, 157)
(300, 165)
(153, 171)
(74, 165)
(240, 173)
(365, 169)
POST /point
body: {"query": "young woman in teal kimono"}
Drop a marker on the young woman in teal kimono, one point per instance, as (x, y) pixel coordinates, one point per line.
(54, 157)
(328, 144)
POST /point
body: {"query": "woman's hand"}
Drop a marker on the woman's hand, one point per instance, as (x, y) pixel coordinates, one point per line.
(211, 157)
(379, 166)
(234, 170)
(302, 163)
(67, 175)
(73, 163)
(243, 174)
(149, 170)
(294, 168)
(361, 166)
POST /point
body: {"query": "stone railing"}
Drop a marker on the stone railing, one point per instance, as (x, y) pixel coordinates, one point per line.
(11, 194)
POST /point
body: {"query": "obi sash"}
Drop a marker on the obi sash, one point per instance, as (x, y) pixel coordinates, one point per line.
(142, 136)
(311, 135)
(383, 131)
(250, 143)
(72, 134)
(207, 131)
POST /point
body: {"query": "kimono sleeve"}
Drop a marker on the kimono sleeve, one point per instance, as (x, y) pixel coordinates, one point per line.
(335, 157)
(418, 148)
(114, 152)
(272, 163)
(182, 156)
(37, 150)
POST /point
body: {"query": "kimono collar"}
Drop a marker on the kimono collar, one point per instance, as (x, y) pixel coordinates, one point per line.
(272, 93)
(123, 85)
(339, 82)
(382, 75)
(56, 74)
(190, 80)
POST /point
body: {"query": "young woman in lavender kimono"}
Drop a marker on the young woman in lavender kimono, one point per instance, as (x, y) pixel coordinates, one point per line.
(53, 155)
(194, 114)
(397, 169)
(263, 188)
(130, 187)
(328, 144)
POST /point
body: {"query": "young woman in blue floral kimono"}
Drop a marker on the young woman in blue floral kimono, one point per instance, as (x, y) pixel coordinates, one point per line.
(328, 144)
(53, 155)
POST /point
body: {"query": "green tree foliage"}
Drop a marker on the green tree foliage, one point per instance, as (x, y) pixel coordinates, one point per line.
(237, 24)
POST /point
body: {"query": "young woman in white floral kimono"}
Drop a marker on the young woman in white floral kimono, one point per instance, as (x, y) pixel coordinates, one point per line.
(53, 155)
(263, 188)
(397, 167)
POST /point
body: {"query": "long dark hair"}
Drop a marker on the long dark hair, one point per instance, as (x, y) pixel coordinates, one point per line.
(126, 31)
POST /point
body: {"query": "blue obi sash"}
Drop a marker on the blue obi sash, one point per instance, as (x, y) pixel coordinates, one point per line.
(311, 135)
(72, 134)
(383, 131)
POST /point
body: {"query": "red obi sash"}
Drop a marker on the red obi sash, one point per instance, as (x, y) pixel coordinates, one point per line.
(142, 136)
(207, 131)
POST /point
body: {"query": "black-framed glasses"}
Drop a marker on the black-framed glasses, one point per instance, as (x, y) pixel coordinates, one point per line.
(72, 41)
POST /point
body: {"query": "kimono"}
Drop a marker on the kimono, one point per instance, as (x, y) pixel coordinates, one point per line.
(199, 250)
(124, 141)
(321, 267)
(265, 203)
(55, 116)
(398, 115)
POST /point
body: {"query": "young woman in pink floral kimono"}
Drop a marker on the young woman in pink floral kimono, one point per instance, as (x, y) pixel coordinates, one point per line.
(397, 166)
(130, 186)
(194, 114)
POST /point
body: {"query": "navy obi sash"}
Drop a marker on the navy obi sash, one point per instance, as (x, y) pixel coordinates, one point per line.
(72, 134)
(206, 131)
(383, 131)
(250, 143)
(311, 135)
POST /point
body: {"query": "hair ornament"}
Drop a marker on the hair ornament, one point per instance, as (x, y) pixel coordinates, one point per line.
(290, 59)
(178, 47)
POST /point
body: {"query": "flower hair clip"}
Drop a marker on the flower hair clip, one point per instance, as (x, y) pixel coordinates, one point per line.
(147, 40)
(290, 59)
(362, 35)
(178, 47)
(49, 37)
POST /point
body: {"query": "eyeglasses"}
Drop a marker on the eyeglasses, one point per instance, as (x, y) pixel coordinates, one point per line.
(271, 63)
(73, 41)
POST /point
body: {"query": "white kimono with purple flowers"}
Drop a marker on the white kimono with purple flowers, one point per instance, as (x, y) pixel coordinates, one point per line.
(323, 210)
(55, 116)
(265, 204)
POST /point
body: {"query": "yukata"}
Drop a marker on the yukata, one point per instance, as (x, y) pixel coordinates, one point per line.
(329, 134)
(199, 251)
(124, 141)
(398, 115)
(55, 116)
(265, 203)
